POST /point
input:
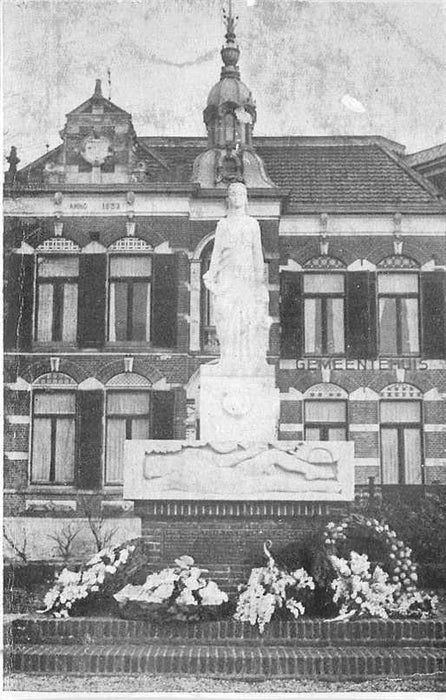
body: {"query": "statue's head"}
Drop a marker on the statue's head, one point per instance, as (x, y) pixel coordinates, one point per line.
(237, 196)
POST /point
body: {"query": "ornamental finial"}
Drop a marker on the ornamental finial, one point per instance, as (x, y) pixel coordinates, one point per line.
(229, 20)
(230, 52)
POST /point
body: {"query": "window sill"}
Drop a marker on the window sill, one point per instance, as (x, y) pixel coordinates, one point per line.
(69, 488)
(326, 356)
(53, 346)
(54, 488)
(128, 344)
(413, 356)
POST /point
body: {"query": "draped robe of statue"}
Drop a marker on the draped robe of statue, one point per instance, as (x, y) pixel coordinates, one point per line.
(237, 279)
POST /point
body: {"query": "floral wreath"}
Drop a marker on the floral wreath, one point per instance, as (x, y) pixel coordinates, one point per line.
(398, 564)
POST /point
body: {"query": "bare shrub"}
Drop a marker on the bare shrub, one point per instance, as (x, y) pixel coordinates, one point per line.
(64, 539)
(103, 533)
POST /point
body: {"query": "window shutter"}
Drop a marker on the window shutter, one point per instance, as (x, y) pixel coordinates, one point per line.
(90, 409)
(162, 414)
(92, 300)
(291, 317)
(19, 302)
(433, 312)
(361, 315)
(164, 301)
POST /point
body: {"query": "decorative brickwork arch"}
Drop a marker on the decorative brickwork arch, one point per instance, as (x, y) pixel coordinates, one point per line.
(117, 367)
(128, 380)
(150, 238)
(398, 262)
(53, 379)
(58, 244)
(325, 391)
(68, 367)
(130, 244)
(400, 391)
(324, 262)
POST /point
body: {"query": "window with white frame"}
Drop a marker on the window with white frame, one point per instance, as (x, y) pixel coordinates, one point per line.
(128, 418)
(53, 437)
(325, 419)
(323, 295)
(398, 294)
(57, 291)
(401, 442)
(129, 298)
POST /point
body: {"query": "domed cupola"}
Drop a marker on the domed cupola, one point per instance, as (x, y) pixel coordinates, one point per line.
(230, 115)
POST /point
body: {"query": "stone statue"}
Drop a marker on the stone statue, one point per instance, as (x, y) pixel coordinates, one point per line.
(237, 279)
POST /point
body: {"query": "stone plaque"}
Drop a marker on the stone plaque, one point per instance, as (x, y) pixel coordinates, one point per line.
(274, 471)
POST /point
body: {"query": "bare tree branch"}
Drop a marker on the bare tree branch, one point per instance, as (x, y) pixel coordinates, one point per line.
(103, 534)
(17, 547)
(64, 539)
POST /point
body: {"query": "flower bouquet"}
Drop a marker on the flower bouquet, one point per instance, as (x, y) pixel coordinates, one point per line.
(73, 588)
(271, 588)
(179, 592)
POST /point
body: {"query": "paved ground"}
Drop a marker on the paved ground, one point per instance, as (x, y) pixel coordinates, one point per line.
(150, 683)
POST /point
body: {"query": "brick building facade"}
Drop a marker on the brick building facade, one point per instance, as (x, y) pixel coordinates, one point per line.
(107, 320)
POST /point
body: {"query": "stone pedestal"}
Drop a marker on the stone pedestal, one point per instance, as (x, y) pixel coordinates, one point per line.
(238, 408)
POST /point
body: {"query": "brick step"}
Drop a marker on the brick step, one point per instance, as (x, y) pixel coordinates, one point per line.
(295, 632)
(227, 661)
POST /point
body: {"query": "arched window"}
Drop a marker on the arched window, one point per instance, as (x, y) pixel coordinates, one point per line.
(128, 418)
(323, 295)
(398, 306)
(130, 277)
(57, 291)
(53, 429)
(325, 412)
(401, 441)
(229, 122)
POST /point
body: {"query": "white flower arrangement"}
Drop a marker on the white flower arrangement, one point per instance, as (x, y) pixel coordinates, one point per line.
(399, 564)
(361, 592)
(270, 588)
(176, 589)
(72, 586)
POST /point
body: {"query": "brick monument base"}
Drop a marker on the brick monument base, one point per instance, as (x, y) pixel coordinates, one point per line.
(227, 538)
